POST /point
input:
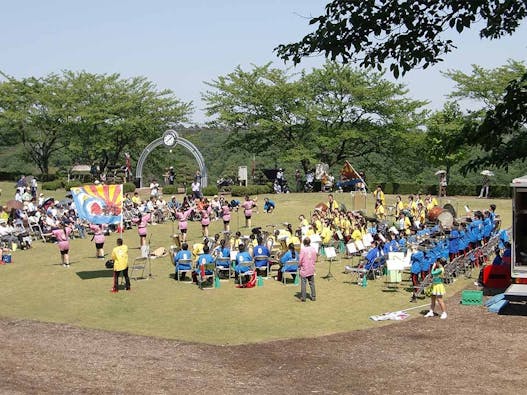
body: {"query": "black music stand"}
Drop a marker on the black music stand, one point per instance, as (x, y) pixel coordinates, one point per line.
(330, 256)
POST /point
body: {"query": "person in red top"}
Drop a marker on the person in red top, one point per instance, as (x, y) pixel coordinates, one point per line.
(306, 264)
(63, 241)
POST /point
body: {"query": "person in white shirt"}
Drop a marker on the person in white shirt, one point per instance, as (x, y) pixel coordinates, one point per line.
(196, 189)
(154, 188)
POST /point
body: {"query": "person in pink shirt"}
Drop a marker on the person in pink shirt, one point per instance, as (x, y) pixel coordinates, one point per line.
(63, 239)
(248, 206)
(182, 217)
(142, 222)
(98, 238)
(205, 218)
(306, 264)
(226, 216)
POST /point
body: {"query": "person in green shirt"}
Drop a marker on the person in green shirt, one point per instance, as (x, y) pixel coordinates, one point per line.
(438, 288)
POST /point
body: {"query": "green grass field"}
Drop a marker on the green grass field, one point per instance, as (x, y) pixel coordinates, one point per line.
(35, 286)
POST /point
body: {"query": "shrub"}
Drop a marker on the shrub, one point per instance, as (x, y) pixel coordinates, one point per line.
(52, 185)
(128, 187)
(251, 190)
(72, 183)
(210, 190)
(169, 189)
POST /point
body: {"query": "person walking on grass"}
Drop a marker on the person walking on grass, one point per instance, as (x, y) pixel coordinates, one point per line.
(62, 236)
(306, 264)
(438, 288)
(120, 265)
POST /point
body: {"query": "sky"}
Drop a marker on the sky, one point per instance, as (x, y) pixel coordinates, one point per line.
(179, 45)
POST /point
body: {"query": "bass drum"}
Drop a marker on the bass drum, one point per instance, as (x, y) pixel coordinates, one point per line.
(433, 214)
(321, 207)
(446, 219)
(450, 209)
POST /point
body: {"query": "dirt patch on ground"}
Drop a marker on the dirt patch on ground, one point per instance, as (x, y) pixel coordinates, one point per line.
(473, 351)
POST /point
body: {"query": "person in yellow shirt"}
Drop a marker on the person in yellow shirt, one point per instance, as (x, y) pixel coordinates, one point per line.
(378, 194)
(379, 211)
(399, 205)
(333, 206)
(326, 234)
(421, 214)
(136, 200)
(430, 202)
(120, 265)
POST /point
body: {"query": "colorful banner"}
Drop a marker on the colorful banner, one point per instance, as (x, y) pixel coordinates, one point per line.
(99, 204)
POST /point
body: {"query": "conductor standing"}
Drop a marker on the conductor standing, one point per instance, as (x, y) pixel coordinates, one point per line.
(120, 265)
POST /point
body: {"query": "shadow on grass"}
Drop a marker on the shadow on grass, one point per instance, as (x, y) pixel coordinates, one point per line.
(88, 275)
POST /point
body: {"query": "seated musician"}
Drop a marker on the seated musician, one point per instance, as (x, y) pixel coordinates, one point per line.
(430, 202)
(288, 256)
(261, 250)
(197, 248)
(421, 214)
(242, 261)
(182, 254)
(203, 260)
(236, 240)
(327, 233)
(295, 238)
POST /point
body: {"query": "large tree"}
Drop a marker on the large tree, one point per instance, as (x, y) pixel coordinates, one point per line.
(445, 129)
(85, 117)
(410, 34)
(328, 115)
(486, 89)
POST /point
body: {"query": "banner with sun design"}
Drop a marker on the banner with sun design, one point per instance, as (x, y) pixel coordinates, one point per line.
(99, 204)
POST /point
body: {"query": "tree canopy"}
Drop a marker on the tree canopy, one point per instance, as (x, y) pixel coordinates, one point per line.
(406, 34)
(410, 34)
(327, 115)
(85, 117)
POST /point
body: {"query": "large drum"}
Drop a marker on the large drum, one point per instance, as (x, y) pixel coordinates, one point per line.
(441, 215)
(321, 207)
(434, 213)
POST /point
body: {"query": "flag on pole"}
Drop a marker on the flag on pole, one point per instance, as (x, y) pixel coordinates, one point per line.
(348, 172)
(99, 204)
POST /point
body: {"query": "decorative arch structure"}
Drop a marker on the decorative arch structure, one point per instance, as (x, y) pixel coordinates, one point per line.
(170, 139)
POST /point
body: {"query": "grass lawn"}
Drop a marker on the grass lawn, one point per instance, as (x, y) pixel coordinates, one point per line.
(35, 286)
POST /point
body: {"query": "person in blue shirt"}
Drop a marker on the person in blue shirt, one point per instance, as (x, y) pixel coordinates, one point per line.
(453, 243)
(286, 261)
(416, 260)
(268, 206)
(261, 251)
(182, 254)
(243, 259)
(203, 260)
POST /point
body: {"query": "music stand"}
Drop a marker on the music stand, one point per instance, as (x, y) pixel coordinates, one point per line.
(145, 253)
(331, 255)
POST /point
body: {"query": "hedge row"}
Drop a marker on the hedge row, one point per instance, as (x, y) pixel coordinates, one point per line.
(58, 184)
(251, 190)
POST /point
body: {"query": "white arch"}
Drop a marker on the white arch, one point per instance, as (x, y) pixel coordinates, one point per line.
(177, 140)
